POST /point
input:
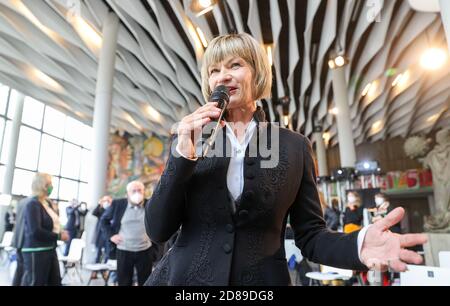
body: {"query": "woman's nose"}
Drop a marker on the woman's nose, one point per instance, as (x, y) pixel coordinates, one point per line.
(224, 77)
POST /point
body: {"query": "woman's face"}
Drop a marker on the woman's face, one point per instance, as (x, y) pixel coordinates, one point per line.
(48, 187)
(236, 74)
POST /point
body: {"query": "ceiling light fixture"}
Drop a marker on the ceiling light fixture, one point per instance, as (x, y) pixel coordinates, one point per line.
(433, 118)
(433, 59)
(402, 79)
(31, 17)
(269, 54)
(366, 90)
(45, 81)
(373, 89)
(87, 33)
(153, 113)
(201, 7)
(202, 37)
(377, 126)
(334, 111)
(338, 62)
(326, 137)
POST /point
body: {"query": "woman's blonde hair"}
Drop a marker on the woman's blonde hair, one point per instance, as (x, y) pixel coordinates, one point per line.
(246, 47)
(39, 184)
(323, 202)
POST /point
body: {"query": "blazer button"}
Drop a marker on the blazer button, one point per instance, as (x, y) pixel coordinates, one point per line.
(227, 248)
(250, 161)
(243, 214)
(229, 228)
(249, 196)
(250, 175)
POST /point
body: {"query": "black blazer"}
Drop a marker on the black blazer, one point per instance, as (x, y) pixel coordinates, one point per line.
(218, 247)
(99, 238)
(112, 217)
(38, 230)
(19, 230)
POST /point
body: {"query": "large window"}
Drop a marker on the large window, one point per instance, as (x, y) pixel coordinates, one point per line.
(50, 155)
(2, 128)
(28, 148)
(22, 182)
(33, 112)
(5, 144)
(2, 173)
(4, 93)
(54, 122)
(71, 161)
(50, 142)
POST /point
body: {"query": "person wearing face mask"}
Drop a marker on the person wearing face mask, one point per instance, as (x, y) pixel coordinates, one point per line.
(353, 215)
(75, 219)
(123, 223)
(100, 240)
(381, 210)
(42, 230)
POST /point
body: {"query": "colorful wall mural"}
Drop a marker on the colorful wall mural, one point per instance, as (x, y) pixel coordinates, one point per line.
(135, 158)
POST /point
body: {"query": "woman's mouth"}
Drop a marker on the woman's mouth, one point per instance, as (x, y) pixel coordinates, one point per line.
(232, 90)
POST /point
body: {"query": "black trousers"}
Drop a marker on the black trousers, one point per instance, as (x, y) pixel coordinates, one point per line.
(17, 280)
(72, 234)
(127, 261)
(41, 269)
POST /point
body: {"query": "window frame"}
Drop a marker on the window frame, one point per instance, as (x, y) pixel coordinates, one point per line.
(41, 131)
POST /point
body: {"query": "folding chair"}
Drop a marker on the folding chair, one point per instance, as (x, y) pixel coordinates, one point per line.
(73, 259)
(105, 270)
(5, 246)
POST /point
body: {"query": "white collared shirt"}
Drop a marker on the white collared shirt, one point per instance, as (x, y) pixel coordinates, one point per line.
(235, 174)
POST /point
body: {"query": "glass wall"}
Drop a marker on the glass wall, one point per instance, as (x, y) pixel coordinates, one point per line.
(50, 142)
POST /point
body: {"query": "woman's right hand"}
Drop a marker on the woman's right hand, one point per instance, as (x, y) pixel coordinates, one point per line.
(117, 239)
(65, 236)
(190, 128)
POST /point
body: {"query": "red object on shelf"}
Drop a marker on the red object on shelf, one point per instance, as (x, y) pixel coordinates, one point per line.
(412, 178)
(426, 178)
(382, 182)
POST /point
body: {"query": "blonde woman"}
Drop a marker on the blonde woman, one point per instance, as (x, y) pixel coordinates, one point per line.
(41, 232)
(353, 215)
(231, 209)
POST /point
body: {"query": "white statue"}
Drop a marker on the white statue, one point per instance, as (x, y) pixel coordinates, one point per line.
(438, 160)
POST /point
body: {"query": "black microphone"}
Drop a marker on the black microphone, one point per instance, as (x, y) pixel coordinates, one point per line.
(221, 95)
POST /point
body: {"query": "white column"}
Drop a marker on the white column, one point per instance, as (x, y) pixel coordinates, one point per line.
(321, 153)
(344, 124)
(101, 123)
(13, 143)
(445, 14)
(11, 161)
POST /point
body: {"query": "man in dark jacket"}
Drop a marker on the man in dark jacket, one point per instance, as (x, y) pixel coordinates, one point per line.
(100, 240)
(331, 215)
(123, 223)
(73, 225)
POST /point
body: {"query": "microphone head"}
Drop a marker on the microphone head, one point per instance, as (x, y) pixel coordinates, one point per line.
(221, 94)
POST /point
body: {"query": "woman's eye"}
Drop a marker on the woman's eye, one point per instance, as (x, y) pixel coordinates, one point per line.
(214, 71)
(235, 65)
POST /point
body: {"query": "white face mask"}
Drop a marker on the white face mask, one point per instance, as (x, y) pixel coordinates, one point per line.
(379, 201)
(106, 204)
(136, 198)
(351, 198)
